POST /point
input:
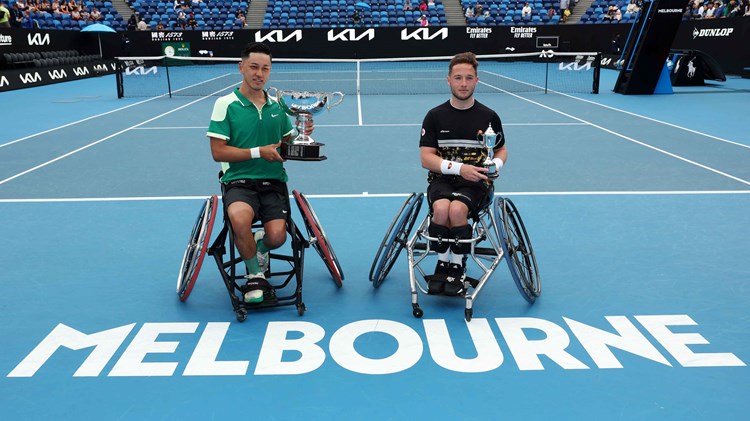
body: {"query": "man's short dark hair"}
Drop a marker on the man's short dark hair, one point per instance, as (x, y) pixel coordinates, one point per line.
(463, 58)
(256, 47)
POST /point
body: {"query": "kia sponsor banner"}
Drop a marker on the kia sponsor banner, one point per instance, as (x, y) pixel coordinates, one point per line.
(36, 76)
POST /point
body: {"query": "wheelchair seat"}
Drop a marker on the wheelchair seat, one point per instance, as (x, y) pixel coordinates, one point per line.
(497, 232)
(279, 291)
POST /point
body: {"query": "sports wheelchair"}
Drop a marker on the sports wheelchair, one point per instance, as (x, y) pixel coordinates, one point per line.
(497, 232)
(292, 265)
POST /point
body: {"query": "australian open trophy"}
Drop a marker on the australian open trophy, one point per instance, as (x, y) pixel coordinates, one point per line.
(488, 139)
(303, 105)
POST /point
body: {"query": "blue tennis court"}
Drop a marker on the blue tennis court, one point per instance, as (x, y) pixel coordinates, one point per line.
(637, 207)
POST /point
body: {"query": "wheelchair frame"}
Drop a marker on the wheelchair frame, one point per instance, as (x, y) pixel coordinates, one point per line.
(224, 243)
(507, 239)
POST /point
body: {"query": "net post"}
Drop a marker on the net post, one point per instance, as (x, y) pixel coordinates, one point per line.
(118, 78)
(597, 70)
(169, 83)
(546, 74)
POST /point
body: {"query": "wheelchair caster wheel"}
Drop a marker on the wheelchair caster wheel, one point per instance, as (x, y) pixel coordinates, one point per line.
(301, 309)
(241, 315)
(468, 313)
(417, 312)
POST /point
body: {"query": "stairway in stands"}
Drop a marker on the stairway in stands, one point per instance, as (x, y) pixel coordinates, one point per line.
(454, 13)
(255, 13)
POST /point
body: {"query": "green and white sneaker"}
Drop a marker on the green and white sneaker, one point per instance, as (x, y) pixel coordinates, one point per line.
(253, 290)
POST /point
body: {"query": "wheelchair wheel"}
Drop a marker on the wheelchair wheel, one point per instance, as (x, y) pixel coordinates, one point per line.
(196, 248)
(517, 248)
(395, 239)
(318, 238)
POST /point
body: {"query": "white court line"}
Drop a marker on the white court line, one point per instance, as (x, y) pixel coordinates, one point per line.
(657, 121)
(79, 121)
(109, 137)
(386, 195)
(362, 125)
(630, 139)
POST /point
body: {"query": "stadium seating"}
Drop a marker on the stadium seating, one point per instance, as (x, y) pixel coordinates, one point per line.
(338, 13)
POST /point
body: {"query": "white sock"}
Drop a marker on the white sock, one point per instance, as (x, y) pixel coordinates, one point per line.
(457, 259)
(444, 257)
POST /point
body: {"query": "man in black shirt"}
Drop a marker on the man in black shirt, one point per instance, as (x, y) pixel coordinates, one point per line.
(458, 182)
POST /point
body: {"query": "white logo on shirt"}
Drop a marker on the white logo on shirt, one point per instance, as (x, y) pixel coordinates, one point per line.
(445, 131)
(274, 115)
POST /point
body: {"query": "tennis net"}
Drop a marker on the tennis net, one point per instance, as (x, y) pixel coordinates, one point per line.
(204, 76)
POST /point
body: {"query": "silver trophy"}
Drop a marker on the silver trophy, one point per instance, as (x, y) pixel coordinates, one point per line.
(304, 105)
(488, 139)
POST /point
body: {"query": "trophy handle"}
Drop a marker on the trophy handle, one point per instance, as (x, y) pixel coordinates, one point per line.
(275, 90)
(333, 96)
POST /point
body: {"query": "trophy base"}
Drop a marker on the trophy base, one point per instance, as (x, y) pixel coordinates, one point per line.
(302, 152)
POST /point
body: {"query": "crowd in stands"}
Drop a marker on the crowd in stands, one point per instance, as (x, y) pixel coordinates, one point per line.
(228, 14)
(59, 14)
(710, 9)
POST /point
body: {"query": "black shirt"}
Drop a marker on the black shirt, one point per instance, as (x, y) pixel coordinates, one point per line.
(453, 132)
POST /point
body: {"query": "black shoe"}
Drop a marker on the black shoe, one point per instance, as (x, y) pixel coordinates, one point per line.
(454, 284)
(436, 283)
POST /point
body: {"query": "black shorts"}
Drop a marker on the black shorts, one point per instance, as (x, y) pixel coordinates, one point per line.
(474, 194)
(268, 198)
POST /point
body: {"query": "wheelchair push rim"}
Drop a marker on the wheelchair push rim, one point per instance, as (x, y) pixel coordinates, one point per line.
(519, 254)
(197, 247)
(318, 238)
(395, 239)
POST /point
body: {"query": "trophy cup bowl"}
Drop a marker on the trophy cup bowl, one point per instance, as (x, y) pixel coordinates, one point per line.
(488, 139)
(303, 105)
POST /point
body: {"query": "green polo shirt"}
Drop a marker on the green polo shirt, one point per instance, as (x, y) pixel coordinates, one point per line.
(239, 122)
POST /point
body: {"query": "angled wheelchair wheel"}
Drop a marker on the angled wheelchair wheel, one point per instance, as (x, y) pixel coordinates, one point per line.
(196, 248)
(395, 239)
(517, 248)
(318, 238)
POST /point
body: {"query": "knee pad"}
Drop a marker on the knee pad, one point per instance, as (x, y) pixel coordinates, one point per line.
(440, 231)
(461, 233)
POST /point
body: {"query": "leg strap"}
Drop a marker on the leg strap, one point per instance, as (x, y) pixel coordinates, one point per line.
(439, 231)
(461, 233)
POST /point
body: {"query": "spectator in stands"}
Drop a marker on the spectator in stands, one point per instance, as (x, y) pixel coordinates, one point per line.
(423, 21)
(132, 23)
(177, 5)
(721, 10)
(469, 12)
(407, 5)
(747, 9)
(617, 14)
(709, 11)
(356, 18)
(422, 6)
(240, 16)
(181, 19)
(159, 26)
(75, 14)
(551, 12)
(526, 11)
(430, 3)
(564, 5)
(733, 9)
(632, 7)
(4, 16)
(191, 22)
(96, 15)
(28, 21)
(478, 9)
(143, 26)
(196, 3)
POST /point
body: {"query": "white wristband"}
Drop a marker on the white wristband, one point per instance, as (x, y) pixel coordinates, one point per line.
(498, 162)
(254, 152)
(450, 167)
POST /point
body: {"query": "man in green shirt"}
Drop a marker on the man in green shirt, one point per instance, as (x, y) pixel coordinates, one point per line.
(246, 130)
(4, 16)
